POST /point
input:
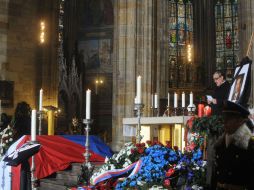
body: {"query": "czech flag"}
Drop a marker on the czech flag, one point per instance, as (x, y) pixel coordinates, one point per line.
(56, 153)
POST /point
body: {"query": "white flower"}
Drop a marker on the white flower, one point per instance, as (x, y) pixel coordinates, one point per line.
(106, 160)
(112, 166)
(196, 187)
(141, 183)
(10, 139)
(10, 133)
(125, 164)
(178, 166)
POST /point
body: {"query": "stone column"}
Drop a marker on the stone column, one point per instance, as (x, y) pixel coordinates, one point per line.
(132, 56)
(3, 37)
(47, 53)
(246, 27)
(161, 49)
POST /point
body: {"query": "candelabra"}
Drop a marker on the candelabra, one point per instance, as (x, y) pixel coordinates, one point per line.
(139, 113)
(168, 111)
(152, 111)
(174, 111)
(40, 114)
(156, 112)
(32, 169)
(86, 167)
(191, 109)
(183, 111)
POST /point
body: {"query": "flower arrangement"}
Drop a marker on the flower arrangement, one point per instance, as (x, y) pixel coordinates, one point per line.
(155, 163)
(160, 166)
(129, 154)
(208, 126)
(6, 139)
(191, 170)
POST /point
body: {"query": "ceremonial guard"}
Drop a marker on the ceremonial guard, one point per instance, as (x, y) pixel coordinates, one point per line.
(234, 152)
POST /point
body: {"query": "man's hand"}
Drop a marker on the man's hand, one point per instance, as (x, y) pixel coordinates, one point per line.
(213, 101)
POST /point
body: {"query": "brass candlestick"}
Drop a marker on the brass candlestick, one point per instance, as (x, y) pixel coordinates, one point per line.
(139, 113)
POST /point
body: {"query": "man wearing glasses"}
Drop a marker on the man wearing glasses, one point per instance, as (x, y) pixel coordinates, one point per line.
(216, 102)
(221, 92)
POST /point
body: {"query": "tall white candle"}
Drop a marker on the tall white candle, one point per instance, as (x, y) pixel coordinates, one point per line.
(88, 104)
(168, 99)
(40, 100)
(155, 100)
(175, 100)
(191, 98)
(183, 99)
(139, 90)
(33, 125)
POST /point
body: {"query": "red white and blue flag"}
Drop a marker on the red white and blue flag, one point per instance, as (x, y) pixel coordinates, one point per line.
(56, 153)
(135, 167)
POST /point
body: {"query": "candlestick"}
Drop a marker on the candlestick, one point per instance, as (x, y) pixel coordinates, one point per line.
(175, 100)
(40, 100)
(139, 90)
(33, 125)
(168, 99)
(191, 98)
(155, 101)
(183, 99)
(88, 104)
(138, 129)
(86, 168)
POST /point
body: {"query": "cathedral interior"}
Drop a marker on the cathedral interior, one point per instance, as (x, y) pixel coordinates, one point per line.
(68, 46)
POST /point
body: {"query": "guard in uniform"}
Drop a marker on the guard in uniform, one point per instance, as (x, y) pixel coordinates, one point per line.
(234, 151)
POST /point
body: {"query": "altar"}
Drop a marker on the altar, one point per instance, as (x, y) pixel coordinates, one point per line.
(164, 129)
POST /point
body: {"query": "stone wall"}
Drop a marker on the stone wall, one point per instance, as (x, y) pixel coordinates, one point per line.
(19, 40)
(23, 60)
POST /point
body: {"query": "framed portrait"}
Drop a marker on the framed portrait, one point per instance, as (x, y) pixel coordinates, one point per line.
(240, 87)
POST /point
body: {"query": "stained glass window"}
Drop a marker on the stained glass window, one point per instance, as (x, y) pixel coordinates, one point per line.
(227, 44)
(180, 42)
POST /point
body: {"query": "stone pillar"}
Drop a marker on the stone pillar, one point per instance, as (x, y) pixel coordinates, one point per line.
(161, 49)
(47, 53)
(246, 27)
(3, 37)
(132, 56)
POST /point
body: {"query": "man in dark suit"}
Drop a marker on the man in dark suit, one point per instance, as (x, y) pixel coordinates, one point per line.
(221, 92)
(234, 151)
(220, 95)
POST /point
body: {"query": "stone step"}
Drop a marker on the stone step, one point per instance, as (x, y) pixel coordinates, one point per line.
(61, 180)
(53, 184)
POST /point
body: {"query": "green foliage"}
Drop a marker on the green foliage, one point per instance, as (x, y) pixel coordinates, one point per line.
(208, 126)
